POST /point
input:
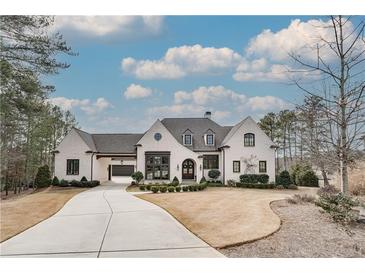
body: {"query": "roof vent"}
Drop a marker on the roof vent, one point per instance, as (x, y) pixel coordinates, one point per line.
(208, 115)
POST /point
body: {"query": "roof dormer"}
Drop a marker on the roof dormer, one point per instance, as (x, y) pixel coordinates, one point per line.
(209, 138)
(187, 138)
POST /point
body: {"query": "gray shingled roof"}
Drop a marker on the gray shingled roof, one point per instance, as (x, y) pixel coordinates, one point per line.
(116, 143)
(88, 139)
(111, 143)
(198, 127)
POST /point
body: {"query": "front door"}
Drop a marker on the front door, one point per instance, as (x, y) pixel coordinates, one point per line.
(188, 169)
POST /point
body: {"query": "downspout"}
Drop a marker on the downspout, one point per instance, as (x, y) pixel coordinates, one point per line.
(224, 167)
(92, 161)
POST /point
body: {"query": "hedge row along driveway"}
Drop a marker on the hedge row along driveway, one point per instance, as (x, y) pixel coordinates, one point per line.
(226, 216)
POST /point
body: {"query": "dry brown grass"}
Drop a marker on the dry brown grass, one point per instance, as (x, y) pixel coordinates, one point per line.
(21, 213)
(356, 179)
(225, 216)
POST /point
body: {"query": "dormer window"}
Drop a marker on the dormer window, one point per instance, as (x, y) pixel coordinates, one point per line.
(249, 140)
(209, 139)
(188, 140)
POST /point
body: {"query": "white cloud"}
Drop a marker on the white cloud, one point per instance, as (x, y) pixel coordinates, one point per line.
(137, 91)
(267, 57)
(176, 110)
(220, 115)
(181, 61)
(267, 103)
(85, 105)
(205, 95)
(107, 26)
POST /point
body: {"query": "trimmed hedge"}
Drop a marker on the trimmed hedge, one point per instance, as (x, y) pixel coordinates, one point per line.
(142, 187)
(202, 180)
(163, 189)
(307, 178)
(83, 179)
(63, 183)
(254, 178)
(155, 189)
(259, 186)
(284, 179)
(171, 189)
(178, 188)
(185, 188)
(175, 181)
(214, 173)
(74, 183)
(55, 181)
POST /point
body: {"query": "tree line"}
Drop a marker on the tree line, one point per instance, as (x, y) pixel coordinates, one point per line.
(327, 130)
(30, 126)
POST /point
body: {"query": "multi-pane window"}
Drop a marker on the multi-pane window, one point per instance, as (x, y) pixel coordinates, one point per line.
(157, 167)
(73, 166)
(210, 139)
(236, 166)
(187, 139)
(262, 167)
(249, 140)
(210, 162)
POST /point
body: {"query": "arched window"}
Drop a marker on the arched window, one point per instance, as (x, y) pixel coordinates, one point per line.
(249, 140)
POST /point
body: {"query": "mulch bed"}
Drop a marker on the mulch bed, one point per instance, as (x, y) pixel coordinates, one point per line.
(305, 232)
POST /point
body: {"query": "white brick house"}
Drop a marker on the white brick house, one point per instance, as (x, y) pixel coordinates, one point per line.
(183, 147)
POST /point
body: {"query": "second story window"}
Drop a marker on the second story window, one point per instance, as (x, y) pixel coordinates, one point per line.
(188, 140)
(249, 140)
(210, 139)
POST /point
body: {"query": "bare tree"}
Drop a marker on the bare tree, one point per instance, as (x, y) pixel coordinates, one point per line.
(340, 62)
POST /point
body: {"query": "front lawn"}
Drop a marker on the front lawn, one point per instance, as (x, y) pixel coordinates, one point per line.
(225, 216)
(24, 212)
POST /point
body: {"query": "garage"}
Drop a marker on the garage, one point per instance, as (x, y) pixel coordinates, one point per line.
(121, 173)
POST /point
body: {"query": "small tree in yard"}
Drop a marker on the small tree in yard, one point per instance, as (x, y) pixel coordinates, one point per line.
(137, 176)
(175, 181)
(214, 174)
(284, 179)
(43, 177)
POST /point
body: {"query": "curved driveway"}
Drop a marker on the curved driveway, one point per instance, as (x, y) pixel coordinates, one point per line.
(107, 221)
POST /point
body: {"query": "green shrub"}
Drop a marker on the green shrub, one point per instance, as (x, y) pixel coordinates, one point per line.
(195, 187)
(203, 185)
(83, 179)
(148, 187)
(307, 178)
(231, 183)
(64, 183)
(254, 178)
(163, 189)
(280, 187)
(191, 188)
(76, 183)
(142, 187)
(178, 188)
(137, 176)
(214, 173)
(292, 186)
(171, 189)
(296, 169)
(43, 177)
(155, 189)
(55, 181)
(175, 181)
(185, 188)
(284, 179)
(202, 180)
(338, 205)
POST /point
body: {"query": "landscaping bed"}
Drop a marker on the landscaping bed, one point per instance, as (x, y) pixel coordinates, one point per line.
(305, 232)
(24, 212)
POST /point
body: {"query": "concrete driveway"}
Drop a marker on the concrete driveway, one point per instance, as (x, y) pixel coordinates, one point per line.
(107, 221)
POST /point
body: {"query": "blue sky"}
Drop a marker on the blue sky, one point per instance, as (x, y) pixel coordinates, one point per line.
(122, 81)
